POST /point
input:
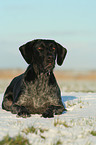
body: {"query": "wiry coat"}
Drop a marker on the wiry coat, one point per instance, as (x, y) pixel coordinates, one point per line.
(36, 90)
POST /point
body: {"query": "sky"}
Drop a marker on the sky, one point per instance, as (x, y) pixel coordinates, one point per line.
(72, 23)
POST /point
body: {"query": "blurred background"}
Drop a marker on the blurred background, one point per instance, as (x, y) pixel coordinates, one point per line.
(71, 23)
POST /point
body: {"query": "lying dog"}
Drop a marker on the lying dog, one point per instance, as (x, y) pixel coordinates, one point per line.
(36, 90)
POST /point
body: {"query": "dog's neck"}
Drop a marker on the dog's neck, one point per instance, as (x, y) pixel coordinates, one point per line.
(40, 71)
(33, 73)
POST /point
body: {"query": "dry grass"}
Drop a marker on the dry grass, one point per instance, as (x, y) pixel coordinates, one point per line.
(10, 73)
(73, 75)
(18, 140)
(60, 75)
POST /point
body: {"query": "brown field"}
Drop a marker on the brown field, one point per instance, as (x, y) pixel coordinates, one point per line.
(75, 75)
(9, 73)
(60, 75)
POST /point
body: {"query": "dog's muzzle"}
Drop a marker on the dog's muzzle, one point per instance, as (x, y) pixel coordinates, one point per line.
(50, 64)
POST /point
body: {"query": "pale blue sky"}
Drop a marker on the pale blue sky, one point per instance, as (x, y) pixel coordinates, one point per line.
(72, 23)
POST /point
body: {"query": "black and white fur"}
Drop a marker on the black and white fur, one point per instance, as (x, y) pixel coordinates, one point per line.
(36, 90)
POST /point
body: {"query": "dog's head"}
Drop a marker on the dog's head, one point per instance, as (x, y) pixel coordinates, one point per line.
(43, 53)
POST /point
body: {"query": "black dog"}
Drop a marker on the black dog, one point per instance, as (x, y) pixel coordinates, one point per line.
(36, 90)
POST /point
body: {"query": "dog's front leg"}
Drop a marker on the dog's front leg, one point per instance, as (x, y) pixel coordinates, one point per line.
(20, 111)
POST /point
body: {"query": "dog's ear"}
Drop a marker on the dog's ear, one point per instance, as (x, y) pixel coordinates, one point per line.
(26, 51)
(61, 53)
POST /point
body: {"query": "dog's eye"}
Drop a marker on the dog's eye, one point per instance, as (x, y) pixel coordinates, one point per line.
(40, 48)
(53, 48)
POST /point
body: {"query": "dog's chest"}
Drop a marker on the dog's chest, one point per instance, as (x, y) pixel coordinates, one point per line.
(39, 93)
(39, 86)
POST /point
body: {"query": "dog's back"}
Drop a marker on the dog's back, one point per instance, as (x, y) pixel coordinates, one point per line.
(11, 92)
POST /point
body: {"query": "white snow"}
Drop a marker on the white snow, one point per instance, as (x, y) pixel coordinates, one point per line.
(72, 128)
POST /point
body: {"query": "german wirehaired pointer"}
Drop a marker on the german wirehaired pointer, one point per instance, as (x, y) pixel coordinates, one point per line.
(36, 90)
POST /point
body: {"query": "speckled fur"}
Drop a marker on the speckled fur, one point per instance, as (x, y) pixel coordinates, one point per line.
(36, 90)
(40, 94)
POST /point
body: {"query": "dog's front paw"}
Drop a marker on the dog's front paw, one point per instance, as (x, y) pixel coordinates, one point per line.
(49, 113)
(23, 113)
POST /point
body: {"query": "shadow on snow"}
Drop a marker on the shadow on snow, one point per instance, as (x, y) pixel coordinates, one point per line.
(67, 98)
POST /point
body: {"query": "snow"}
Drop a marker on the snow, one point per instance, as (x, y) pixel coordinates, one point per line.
(71, 128)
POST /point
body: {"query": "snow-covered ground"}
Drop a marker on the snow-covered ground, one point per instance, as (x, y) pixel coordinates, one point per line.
(75, 127)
